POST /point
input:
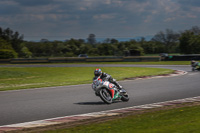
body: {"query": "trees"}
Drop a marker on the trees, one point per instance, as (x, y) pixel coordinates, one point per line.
(6, 50)
(195, 44)
(190, 42)
(106, 49)
(91, 39)
(7, 54)
(195, 30)
(187, 42)
(12, 40)
(185, 47)
(169, 38)
(12, 37)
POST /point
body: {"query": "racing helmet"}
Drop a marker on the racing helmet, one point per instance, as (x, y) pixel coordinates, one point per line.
(97, 72)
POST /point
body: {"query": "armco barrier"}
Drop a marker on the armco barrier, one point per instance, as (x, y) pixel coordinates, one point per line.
(66, 59)
(181, 58)
(5, 60)
(31, 60)
(104, 59)
(81, 59)
(141, 58)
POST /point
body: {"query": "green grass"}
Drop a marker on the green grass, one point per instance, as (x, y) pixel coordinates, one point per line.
(136, 63)
(146, 63)
(179, 120)
(35, 77)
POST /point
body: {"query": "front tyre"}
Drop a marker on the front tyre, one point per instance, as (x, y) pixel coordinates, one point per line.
(193, 69)
(124, 96)
(105, 96)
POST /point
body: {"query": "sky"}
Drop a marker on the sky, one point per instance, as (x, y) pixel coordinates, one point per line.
(65, 19)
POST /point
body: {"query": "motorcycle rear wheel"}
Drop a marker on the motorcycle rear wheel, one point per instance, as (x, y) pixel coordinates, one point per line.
(105, 96)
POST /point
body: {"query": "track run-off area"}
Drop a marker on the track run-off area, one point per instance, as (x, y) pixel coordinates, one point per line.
(50, 103)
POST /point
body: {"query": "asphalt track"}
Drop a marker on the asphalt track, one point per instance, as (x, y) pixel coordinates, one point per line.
(37, 104)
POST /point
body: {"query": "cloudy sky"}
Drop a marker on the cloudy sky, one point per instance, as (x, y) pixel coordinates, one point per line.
(64, 19)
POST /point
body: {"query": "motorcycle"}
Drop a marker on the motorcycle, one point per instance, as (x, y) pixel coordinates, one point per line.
(108, 92)
(195, 66)
(195, 69)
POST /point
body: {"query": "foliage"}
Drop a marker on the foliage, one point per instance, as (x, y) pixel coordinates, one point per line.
(10, 41)
(167, 41)
(6, 50)
(14, 38)
(7, 54)
(25, 52)
(91, 39)
(4, 44)
(168, 38)
(190, 42)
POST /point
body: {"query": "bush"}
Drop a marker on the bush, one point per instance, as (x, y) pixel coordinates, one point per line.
(7, 54)
(25, 52)
(69, 54)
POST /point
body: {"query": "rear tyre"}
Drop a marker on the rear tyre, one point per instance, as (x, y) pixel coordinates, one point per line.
(105, 96)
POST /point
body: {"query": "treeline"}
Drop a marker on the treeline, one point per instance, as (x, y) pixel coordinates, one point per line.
(12, 45)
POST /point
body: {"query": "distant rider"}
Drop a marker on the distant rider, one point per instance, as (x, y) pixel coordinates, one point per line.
(195, 64)
(106, 77)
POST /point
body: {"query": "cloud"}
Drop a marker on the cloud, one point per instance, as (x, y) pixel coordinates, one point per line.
(104, 16)
(78, 18)
(8, 7)
(33, 2)
(187, 3)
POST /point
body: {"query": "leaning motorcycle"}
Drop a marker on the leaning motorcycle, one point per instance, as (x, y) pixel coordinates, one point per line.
(195, 67)
(108, 92)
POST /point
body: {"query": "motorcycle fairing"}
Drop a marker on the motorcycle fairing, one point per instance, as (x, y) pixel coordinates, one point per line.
(110, 88)
(112, 92)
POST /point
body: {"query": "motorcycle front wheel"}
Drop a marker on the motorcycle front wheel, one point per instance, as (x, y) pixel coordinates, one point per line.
(193, 69)
(105, 96)
(124, 96)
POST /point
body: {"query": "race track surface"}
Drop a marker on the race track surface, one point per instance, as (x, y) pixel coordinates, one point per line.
(37, 104)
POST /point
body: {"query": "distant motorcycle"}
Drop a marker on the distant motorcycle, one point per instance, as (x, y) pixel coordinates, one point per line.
(195, 69)
(195, 66)
(108, 92)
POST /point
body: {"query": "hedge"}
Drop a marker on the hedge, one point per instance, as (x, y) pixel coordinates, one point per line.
(7, 54)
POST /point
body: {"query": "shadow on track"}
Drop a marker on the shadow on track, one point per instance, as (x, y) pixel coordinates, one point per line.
(96, 103)
(91, 103)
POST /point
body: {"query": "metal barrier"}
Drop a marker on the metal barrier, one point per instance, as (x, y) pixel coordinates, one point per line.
(181, 58)
(31, 60)
(141, 58)
(104, 59)
(81, 59)
(66, 59)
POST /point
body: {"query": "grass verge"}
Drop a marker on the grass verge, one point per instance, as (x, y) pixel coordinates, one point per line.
(177, 119)
(35, 77)
(146, 63)
(133, 63)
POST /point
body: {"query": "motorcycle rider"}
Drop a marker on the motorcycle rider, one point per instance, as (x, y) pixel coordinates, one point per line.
(106, 77)
(195, 64)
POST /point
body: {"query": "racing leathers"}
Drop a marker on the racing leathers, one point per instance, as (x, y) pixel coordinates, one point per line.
(107, 77)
